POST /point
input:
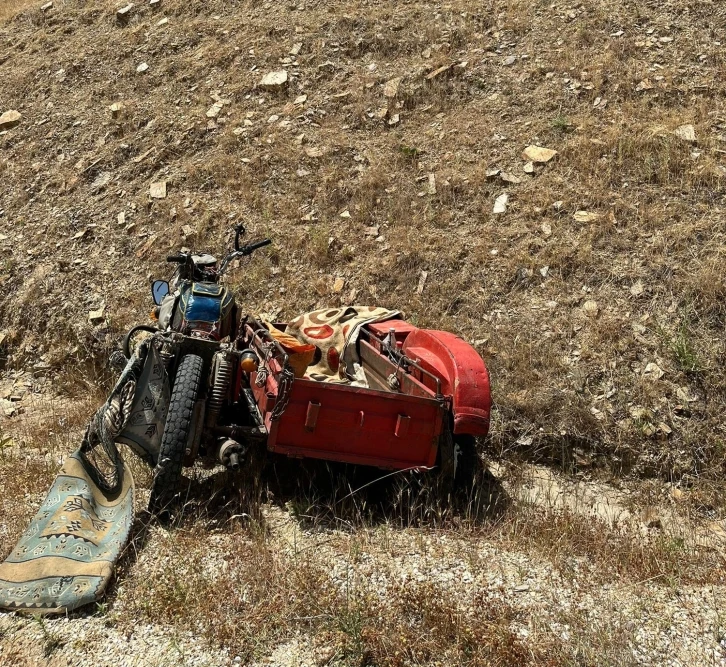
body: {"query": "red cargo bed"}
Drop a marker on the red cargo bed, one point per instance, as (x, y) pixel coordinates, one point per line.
(389, 425)
(357, 425)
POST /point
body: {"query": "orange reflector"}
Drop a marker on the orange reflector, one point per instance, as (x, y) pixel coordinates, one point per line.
(154, 314)
(248, 364)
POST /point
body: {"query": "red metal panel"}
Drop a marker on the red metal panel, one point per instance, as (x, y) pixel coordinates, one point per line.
(463, 374)
(401, 329)
(357, 425)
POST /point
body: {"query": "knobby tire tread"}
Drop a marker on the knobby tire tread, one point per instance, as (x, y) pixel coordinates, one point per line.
(177, 431)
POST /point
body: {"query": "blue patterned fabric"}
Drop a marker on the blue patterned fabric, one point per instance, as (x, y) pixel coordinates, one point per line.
(66, 556)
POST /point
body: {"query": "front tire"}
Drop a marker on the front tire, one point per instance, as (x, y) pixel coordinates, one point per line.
(178, 433)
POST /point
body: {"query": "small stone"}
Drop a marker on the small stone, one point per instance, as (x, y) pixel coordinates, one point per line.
(546, 228)
(509, 178)
(274, 80)
(154, 4)
(123, 14)
(431, 184)
(637, 288)
(9, 119)
(586, 216)
(214, 110)
(121, 218)
(46, 7)
(338, 285)
(97, 316)
(676, 493)
(653, 371)
(301, 99)
(295, 49)
(314, 151)
(345, 214)
(590, 308)
(395, 119)
(529, 168)
(116, 109)
(163, 21)
(158, 190)
(422, 282)
(500, 204)
(142, 68)
(686, 133)
(390, 89)
(509, 60)
(491, 174)
(538, 154)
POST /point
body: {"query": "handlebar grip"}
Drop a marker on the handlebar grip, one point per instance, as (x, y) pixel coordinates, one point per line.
(239, 230)
(249, 249)
(176, 258)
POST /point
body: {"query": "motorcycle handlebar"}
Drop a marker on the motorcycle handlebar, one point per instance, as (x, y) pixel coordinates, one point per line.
(249, 249)
(179, 259)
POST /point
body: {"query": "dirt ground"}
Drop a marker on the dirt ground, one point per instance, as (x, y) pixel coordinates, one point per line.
(596, 297)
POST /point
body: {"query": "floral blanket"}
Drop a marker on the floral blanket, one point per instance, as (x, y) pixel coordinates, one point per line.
(334, 332)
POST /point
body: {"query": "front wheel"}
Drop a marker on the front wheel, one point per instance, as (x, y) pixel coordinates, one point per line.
(178, 432)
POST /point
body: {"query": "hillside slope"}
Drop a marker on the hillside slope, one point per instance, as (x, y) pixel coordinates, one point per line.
(603, 330)
(596, 297)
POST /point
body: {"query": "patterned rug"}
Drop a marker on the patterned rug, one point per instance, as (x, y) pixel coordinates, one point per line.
(66, 556)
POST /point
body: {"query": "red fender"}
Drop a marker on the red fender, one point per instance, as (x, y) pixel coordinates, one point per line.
(463, 375)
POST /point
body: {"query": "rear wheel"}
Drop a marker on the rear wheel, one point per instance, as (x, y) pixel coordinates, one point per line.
(457, 460)
(467, 461)
(178, 432)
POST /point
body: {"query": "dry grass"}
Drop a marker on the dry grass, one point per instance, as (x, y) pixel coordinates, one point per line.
(258, 598)
(562, 380)
(573, 390)
(31, 452)
(9, 8)
(250, 591)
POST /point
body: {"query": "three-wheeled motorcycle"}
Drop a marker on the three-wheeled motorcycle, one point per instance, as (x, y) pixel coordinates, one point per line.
(225, 383)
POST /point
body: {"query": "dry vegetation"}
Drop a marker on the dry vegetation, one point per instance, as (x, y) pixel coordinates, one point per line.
(571, 385)
(603, 333)
(9, 8)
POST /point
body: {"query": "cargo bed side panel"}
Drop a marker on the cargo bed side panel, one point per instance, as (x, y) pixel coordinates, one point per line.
(355, 425)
